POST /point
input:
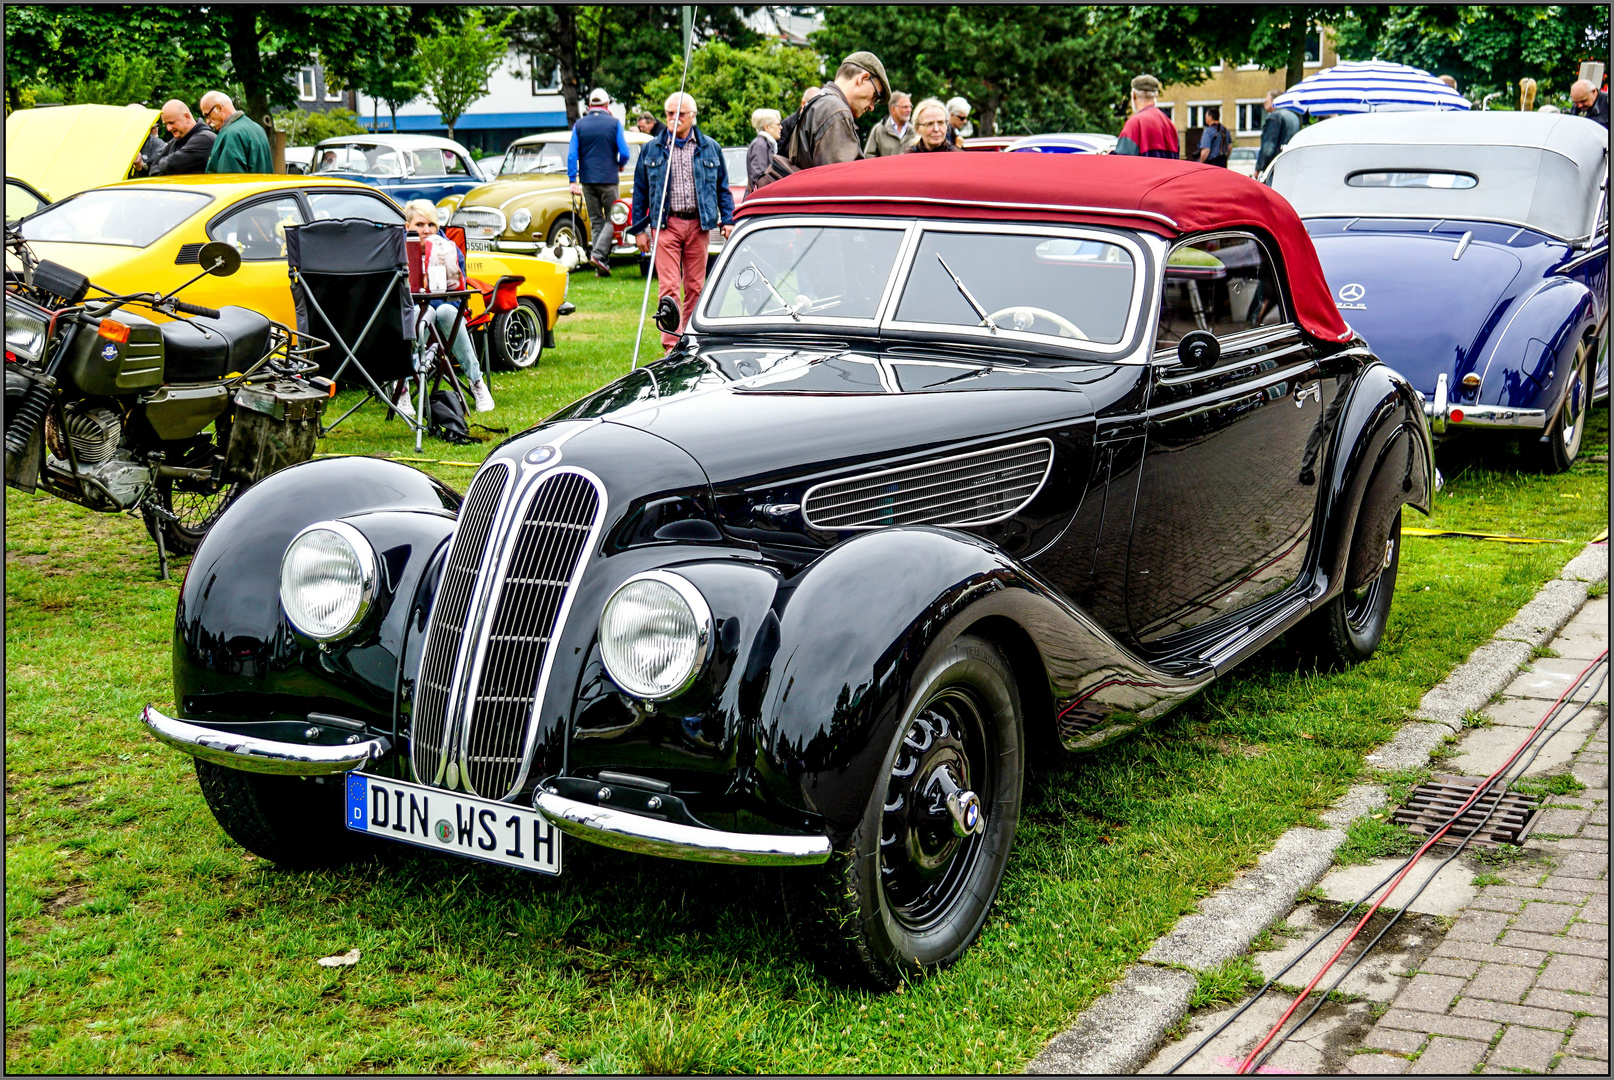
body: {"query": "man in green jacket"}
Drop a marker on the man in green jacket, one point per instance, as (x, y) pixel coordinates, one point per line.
(242, 146)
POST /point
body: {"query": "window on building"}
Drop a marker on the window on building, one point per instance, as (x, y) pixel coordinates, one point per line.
(305, 85)
(1314, 46)
(332, 93)
(542, 86)
(1251, 116)
(1196, 112)
(1166, 107)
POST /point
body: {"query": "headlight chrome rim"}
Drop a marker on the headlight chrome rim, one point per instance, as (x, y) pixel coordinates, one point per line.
(364, 556)
(520, 220)
(620, 213)
(698, 608)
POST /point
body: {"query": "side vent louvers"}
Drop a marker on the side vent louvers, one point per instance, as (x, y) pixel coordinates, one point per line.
(449, 613)
(548, 551)
(188, 253)
(966, 489)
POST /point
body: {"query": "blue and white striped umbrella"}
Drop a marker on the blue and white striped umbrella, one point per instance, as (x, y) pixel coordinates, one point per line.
(1369, 86)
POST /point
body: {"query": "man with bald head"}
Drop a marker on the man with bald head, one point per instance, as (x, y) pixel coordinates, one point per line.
(242, 146)
(190, 147)
(1590, 102)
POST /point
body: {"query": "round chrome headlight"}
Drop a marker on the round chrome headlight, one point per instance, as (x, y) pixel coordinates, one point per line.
(327, 580)
(655, 634)
(444, 215)
(619, 213)
(520, 220)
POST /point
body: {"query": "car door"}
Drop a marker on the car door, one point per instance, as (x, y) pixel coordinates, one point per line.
(1228, 484)
(256, 228)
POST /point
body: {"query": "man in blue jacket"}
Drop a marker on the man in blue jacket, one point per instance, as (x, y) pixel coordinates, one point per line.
(594, 161)
(681, 176)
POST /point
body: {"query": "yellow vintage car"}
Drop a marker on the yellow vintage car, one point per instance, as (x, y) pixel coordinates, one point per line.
(143, 235)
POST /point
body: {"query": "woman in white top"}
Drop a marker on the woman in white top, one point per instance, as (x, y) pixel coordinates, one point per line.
(420, 217)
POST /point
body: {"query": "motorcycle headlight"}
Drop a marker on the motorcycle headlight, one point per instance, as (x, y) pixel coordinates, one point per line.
(619, 213)
(25, 333)
(328, 580)
(520, 220)
(655, 634)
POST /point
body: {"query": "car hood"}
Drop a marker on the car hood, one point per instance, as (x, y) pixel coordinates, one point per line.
(71, 148)
(500, 192)
(1422, 312)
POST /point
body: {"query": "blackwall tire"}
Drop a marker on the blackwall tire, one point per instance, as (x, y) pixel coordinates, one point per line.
(1348, 629)
(905, 896)
(517, 337)
(1567, 431)
(293, 821)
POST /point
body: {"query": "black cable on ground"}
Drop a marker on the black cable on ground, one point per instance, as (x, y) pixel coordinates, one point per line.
(1463, 843)
(1560, 704)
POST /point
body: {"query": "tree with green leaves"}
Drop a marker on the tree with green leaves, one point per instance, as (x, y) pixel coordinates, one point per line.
(392, 80)
(455, 65)
(1189, 38)
(728, 83)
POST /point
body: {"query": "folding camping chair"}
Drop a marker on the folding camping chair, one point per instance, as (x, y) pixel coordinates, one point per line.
(350, 285)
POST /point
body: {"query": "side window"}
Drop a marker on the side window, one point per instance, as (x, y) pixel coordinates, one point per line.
(1225, 284)
(453, 164)
(352, 204)
(428, 162)
(258, 230)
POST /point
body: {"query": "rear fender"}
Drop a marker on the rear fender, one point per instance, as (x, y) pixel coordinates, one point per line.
(1529, 366)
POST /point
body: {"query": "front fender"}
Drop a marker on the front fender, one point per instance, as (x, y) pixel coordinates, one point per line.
(237, 660)
(1529, 366)
(1383, 459)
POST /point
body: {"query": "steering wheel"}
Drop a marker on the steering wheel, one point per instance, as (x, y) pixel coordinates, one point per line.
(1066, 327)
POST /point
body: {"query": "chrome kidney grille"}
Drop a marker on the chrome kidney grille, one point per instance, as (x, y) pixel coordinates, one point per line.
(511, 568)
(553, 535)
(966, 489)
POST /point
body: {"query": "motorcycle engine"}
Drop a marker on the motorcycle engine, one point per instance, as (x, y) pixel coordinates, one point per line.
(93, 431)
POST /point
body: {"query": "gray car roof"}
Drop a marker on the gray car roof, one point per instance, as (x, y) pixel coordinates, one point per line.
(1542, 170)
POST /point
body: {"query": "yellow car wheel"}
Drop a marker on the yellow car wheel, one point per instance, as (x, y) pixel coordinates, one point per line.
(517, 337)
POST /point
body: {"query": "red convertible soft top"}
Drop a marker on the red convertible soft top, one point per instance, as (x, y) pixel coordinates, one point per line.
(1168, 198)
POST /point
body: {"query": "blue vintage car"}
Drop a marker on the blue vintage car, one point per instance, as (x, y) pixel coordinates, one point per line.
(404, 166)
(1471, 251)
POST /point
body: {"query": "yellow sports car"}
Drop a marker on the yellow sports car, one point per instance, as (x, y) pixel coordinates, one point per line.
(145, 234)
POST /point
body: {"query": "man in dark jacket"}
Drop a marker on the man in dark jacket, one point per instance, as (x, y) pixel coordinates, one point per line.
(826, 133)
(681, 191)
(598, 152)
(1276, 131)
(190, 147)
(242, 146)
(1590, 102)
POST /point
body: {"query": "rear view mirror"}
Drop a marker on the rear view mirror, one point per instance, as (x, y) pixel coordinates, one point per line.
(218, 259)
(668, 316)
(1199, 349)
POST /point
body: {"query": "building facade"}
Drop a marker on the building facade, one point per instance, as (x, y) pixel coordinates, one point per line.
(1240, 91)
(516, 104)
(314, 94)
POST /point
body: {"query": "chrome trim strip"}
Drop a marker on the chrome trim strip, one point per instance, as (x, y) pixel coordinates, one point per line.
(1107, 211)
(872, 477)
(648, 836)
(1438, 409)
(249, 753)
(1462, 246)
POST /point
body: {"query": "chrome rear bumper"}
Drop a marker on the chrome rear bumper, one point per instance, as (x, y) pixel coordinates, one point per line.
(1443, 412)
(251, 754)
(649, 836)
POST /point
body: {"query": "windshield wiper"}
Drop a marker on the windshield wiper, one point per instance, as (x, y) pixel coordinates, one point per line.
(787, 305)
(986, 319)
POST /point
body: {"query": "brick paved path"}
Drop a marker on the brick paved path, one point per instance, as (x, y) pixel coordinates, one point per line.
(1521, 981)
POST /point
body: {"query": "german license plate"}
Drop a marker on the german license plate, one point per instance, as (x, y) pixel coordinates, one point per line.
(479, 245)
(450, 822)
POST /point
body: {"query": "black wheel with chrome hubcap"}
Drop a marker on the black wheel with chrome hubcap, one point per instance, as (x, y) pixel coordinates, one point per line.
(1347, 630)
(912, 888)
(1559, 445)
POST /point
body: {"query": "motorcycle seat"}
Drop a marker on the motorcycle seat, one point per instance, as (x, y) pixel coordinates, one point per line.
(199, 349)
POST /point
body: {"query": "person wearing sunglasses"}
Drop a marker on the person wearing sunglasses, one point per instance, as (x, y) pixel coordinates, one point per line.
(826, 133)
(242, 146)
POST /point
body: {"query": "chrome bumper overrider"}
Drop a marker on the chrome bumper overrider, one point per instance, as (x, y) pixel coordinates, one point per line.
(250, 754)
(1442, 412)
(648, 836)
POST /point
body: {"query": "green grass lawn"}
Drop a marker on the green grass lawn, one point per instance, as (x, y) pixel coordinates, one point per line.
(139, 939)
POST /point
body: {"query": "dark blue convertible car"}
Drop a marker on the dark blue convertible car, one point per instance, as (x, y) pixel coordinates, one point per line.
(1471, 251)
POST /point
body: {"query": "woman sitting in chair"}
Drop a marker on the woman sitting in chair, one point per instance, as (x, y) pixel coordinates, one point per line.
(420, 217)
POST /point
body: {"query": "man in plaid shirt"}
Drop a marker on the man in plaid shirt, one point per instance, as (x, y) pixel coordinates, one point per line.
(697, 201)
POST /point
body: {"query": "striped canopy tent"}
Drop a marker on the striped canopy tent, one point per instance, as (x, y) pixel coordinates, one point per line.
(1370, 86)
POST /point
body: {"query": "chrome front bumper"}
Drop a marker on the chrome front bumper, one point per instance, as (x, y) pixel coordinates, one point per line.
(251, 754)
(649, 836)
(1443, 412)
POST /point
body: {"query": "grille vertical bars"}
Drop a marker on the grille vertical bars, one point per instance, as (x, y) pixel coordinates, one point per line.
(446, 636)
(543, 564)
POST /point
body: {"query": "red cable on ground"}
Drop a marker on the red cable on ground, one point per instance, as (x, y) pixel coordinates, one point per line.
(1427, 844)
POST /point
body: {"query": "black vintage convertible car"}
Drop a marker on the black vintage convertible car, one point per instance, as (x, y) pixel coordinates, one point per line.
(959, 458)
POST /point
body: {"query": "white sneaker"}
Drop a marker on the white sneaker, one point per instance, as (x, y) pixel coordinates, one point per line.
(403, 401)
(484, 400)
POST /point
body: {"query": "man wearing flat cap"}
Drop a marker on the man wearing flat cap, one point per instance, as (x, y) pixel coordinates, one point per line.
(1148, 131)
(826, 132)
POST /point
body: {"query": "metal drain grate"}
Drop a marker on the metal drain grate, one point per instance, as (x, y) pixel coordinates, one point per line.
(1431, 805)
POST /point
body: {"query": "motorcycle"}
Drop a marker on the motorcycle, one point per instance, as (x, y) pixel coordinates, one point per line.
(123, 414)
